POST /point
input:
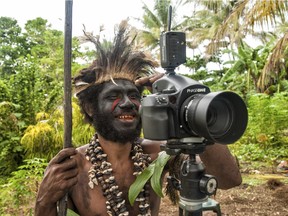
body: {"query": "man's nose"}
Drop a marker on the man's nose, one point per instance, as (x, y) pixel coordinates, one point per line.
(126, 103)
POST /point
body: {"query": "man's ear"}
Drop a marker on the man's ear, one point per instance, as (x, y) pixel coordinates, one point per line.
(88, 109)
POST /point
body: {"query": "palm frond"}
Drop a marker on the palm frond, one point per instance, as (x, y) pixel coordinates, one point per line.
(266, 12)
(274, 64)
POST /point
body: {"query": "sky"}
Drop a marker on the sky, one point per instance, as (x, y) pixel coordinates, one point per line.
(91, 13)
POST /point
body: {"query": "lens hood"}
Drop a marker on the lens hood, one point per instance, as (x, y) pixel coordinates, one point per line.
(220, 117)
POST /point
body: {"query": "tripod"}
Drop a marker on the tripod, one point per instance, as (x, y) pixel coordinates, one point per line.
(194, 185)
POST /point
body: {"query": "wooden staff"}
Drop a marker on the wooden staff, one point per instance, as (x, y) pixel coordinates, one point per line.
(62, 204)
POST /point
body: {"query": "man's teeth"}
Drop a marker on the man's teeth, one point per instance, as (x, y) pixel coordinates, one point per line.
(126, 117)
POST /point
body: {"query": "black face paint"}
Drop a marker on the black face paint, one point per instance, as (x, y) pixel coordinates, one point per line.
(116, 115)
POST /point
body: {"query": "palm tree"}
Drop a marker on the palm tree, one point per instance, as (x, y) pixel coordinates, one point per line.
(155, 22)
(234, 20)
(229, 22)
(207, 18)
(274, 75)
(245, 72)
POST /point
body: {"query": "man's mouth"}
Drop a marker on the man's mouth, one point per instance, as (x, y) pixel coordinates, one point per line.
(126, 117)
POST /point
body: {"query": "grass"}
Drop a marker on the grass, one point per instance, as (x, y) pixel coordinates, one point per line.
(258, 179)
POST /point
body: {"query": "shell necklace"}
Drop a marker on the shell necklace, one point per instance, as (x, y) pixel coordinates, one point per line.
(101, 173)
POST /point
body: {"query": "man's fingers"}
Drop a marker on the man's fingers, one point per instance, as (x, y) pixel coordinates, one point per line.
(142, 81)
(61, 170)
(63, 155)
(71, 182)
(148, 81)
(155, 77)
(67, 184)
(69, 164)
(71, 174)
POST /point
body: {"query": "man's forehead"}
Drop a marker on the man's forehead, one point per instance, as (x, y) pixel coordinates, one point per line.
(119, 84)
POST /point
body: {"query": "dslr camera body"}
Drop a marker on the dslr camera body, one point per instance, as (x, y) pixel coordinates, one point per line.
(180, 107)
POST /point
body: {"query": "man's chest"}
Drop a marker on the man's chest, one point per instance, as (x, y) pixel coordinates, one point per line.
(97, 202)
(109, 190)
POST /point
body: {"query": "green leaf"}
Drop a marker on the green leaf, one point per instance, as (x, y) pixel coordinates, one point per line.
(160, 163)
(139, 183)
(71, 213)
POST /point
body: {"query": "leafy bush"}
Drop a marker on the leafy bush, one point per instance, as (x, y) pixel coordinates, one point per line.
(4, 92)
(11, 151)
(40, 140)
(266, 137)
(82, 131)
(45, 138)
(17, 195)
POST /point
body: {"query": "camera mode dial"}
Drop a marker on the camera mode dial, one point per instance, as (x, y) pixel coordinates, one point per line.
(161, 100)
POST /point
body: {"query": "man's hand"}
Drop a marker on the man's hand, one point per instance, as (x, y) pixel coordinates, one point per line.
(149, 80)
(60, 176)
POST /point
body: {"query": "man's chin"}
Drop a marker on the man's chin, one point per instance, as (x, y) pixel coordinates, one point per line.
(125, 125)
(128, 135)
(123, 136)
(118, 132)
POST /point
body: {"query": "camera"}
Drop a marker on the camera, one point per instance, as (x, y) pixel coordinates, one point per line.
(189, 116)
(180, 107)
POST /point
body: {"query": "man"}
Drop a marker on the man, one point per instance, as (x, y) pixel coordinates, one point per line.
(97, 176)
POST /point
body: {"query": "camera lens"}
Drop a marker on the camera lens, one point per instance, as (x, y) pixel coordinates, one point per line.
(219, 116)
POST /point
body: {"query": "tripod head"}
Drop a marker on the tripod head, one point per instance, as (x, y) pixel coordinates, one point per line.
(194, 185)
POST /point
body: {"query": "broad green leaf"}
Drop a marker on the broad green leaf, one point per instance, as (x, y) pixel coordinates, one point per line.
(71, 213)
(139, 183)
(160, 163)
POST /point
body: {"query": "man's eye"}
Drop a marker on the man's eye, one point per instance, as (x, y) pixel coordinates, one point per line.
(113, 97)
(134, 96)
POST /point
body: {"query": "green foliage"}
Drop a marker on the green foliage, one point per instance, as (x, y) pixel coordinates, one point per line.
(45, 138)
(40, 140)
(71, 213)
(82, 131)
(211, 77)
(156, 179)
(153, 171)
(32, 65)
(18, 193)
(196, 63)
(266, 137)
(32, 72)
(11, 151)
(139, 183)
(244, 70)
(22, 88)
(12, 46)
(4, 92)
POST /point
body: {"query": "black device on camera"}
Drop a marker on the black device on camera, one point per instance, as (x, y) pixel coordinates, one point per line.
(189, 116)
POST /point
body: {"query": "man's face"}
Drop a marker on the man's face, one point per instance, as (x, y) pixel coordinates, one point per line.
(116, 115)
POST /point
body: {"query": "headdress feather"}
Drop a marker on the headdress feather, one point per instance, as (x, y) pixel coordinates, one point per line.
(118, 60)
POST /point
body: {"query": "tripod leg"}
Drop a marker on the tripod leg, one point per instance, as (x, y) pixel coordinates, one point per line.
(193, 213)
(184, 212)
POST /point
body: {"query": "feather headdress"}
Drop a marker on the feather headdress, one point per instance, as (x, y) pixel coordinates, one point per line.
(118, 61)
